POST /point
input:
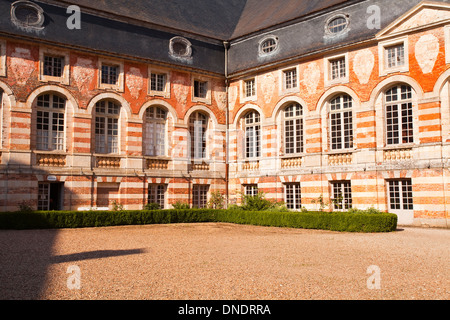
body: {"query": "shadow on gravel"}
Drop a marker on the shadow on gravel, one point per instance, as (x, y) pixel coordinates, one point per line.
(95, 255)
(25, 258)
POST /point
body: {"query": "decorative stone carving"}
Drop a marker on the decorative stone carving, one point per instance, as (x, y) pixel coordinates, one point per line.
(427, 50)
(363, 65)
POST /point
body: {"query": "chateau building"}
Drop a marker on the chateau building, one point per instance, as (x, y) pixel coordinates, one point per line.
(136, 102)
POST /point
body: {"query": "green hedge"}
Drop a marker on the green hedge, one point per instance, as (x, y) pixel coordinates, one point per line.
(336, 221)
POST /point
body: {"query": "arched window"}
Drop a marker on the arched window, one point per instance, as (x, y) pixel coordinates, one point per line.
(252, 127)
(293, 129)
(107, 113)
(155, 132)
(341, 122)
(198, 124)
(50, 122)
(399, 115)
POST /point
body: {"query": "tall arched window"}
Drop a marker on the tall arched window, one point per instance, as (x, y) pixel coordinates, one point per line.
(50, 122)
(399, 115)
(107, 113)
(252, 135)
(155, 132)
(341, 122)
(198, 124)
(293, 129)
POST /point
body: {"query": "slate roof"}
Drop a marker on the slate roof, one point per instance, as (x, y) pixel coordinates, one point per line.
(218, 19)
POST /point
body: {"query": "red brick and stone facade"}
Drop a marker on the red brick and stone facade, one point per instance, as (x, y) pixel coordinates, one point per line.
(376, 136)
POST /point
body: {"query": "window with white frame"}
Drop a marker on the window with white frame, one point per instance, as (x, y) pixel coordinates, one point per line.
(249, 88)
(337, 69)
(198, 124)
(394, 56)
(200, 89)
(293, 196)
(341, 122)
(252, 135)
(157, 194)
(155, 131)
(399, 115)
(251, 190)
(158, 82)
(342, 195)
(200, 196)
(400, 194)
(50, 124)
(268, 46)
(107, 113)
(53, 65)
(290, 79)
(109, 74)
(293, 129)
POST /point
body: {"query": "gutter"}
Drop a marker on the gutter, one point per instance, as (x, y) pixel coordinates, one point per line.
(226, 45)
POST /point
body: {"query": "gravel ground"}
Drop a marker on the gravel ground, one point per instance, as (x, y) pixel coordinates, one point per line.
(221, 261)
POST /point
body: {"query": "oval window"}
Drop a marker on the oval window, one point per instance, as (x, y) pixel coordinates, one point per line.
(27, 14)
(337, 24)
(180, 47)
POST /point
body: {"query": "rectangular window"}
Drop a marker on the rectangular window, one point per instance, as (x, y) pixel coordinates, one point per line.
(106, 135)
(200, 196)
(293, 196)
(252, 142)
(156, 194)
(290, 79)
(200, 89)
(110, 74)
(249, 88)
(400, 194)
(44, 196)
(158, 82)
(50, 131)
(342, 195)
(399, 116)
(395, 56)
(338, 69)
(251, 190)
(53, 66)
(341, 130)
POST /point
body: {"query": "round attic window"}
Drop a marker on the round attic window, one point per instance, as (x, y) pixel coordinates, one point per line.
(268, 45)
(27, 14)
(180, 47)
(337, 24)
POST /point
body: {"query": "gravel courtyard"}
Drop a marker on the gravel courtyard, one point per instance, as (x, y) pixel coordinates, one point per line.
(224, 262)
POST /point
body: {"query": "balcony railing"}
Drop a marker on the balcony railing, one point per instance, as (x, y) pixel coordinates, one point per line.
(398, 154)
(107, 162)
(50, 160)
(340, 159)
(291, 163)
(250, 166)
(199, 166)
(157, 164)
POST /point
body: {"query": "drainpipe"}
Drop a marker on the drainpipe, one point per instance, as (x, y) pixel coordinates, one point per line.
(226, 45)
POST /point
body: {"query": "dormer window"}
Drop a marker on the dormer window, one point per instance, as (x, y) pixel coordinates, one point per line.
(180, 47)
(27, 14)
(337, 25)
(268, 46)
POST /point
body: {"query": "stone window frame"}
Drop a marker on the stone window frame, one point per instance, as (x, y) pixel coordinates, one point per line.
(329, 33)
(2, 58)
(328, 71)
(345, 189)
(261, 47)
(282, 80)
(166, 92)
(65, 77)
(382, 52)
(242, 89)
(38, 25)
(293, 190)
(119, 86)
(207, 98)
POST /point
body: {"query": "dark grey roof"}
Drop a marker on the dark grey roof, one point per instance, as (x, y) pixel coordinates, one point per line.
(218, 19)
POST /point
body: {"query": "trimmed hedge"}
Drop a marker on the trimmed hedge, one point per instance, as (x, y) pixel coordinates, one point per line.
(336, 221)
